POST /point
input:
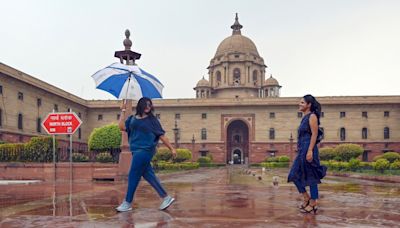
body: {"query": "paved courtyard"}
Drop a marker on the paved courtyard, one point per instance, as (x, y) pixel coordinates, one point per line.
(223, 197)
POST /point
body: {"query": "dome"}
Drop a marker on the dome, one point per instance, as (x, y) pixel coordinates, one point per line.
(203, 83)
(271, 82)
(236, 43)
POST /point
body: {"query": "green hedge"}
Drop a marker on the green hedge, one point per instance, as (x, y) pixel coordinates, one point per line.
(327, 153)
(162, 165)
(390, 156)
(381, 165)
(275, 164)
(345, 152)
(39, 149)
(105, 138)
(182, 155)
(395, 165)
(284, 159)
(12, 152)
(163, 154)
(204, 160)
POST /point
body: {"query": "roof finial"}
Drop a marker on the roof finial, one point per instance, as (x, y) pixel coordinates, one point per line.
(236, 26)
(127, 41)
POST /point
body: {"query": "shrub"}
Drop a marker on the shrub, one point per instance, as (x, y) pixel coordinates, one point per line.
(163, 154)
(376, 158)
(395, 165)
(381, 165)
(39, 149)
(366, 165)
(105, 138)
(11, 151)
(283, 159)
(391, 156)
(275, 164)
(348, 151)
(78, 157)
(204, 160)
(104, 157)
(177, 166)
(272, 159)
(354, 164)
(182, 155)
(327, 153)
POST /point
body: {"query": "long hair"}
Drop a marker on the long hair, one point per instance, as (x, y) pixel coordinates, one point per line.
(142, 104)
(315, 105)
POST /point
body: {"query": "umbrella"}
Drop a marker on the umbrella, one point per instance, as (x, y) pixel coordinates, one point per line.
(128, 82)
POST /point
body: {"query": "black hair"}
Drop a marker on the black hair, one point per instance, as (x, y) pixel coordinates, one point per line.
(141, 106)
(315, 105)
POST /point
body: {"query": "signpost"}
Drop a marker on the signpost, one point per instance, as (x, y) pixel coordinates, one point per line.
(62, 123)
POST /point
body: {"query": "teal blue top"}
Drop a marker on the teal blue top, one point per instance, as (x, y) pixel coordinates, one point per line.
(143, 134)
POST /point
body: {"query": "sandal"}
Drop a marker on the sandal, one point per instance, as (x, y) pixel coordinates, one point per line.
(309, 209)
(304, 204)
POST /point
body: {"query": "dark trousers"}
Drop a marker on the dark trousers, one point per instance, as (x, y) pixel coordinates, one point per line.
(302, 189)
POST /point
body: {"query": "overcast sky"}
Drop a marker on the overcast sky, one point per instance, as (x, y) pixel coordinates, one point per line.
(326, 48)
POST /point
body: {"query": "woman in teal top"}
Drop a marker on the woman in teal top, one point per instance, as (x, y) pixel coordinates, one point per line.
(144, 131)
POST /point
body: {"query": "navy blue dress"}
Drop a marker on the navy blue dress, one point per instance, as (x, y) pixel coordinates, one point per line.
(302, 171)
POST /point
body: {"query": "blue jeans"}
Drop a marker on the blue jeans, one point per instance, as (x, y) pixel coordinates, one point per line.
(313, 189)
(141, 166)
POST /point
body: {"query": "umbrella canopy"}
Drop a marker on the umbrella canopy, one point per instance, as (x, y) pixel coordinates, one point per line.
(128, 82)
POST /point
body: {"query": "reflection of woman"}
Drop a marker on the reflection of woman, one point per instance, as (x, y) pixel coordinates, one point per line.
(144, 131)
(306, 169)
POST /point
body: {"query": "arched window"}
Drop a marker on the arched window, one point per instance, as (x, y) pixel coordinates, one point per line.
(255, 77)
(218, 76)
(203, 134)
(364, 133)
(386, 133)
(236, 76)
(342, 134)
(271, 133)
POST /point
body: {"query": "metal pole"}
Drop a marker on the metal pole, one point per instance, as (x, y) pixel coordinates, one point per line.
(70, 153)
(54, 156)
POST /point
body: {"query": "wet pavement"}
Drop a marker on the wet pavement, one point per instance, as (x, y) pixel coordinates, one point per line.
(223, 197)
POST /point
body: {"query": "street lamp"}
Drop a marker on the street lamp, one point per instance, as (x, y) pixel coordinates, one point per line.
(176, 132)
(193, 141)
(291, 147)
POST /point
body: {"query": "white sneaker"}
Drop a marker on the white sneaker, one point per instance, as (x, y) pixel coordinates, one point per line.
(166, 202)
(125, 206)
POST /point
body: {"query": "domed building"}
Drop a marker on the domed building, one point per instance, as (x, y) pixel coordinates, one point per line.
(237, 70)
(237, 115)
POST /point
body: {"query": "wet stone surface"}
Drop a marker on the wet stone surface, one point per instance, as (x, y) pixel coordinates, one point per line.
(223, 197)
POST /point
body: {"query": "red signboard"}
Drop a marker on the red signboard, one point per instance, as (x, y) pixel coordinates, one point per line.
(61, 123)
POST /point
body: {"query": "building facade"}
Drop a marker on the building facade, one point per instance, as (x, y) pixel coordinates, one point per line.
(238, 114)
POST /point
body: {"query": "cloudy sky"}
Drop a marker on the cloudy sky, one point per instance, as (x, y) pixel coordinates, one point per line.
(327, 48)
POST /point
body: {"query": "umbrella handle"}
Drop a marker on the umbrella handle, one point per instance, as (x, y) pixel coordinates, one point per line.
(127, 88)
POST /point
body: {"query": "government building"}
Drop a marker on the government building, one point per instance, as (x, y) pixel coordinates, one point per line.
(237, 114)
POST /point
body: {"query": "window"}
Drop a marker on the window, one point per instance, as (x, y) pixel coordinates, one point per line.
(342, 134)
(177, 116)
(342, 114)
(386, 133)
(272, 115)
(68, 109)
(79, 115)
(203, 134)
(218, 76)
(364, 133)
(323, 131)
(20, 123)
(299, 114)
(118, 116)
(158, 116)
(39, 124)
(237, 56)
(79, 133)
(100, 117)
(255, 77)
(271, 133)
(203, 153)
(1, 89)
(55, 107)
(364, 114)
(1, 117)
(236, 76)
(386, 114)
(365, 156)
(204, 115)
(20, 96)
(322, 114)
(39, 102)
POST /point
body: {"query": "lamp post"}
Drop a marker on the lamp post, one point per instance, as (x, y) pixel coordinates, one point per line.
(176, 132)
(193, 141)
(291, 147)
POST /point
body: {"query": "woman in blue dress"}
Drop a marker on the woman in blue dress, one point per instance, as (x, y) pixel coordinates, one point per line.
(306, 169)
(144, 130)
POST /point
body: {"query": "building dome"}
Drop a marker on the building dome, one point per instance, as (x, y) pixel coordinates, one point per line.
(203, 83)
(271, 82)
(236, 43)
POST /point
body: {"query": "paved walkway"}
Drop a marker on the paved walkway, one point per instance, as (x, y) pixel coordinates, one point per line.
(205, 198)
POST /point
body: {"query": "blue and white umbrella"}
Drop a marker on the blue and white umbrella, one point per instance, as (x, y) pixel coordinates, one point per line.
(128, 82)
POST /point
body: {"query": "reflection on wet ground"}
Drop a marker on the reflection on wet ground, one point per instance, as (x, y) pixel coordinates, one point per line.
(224, 197)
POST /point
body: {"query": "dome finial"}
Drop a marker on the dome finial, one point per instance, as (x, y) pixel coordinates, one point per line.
(236, 26)
(127, 41)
